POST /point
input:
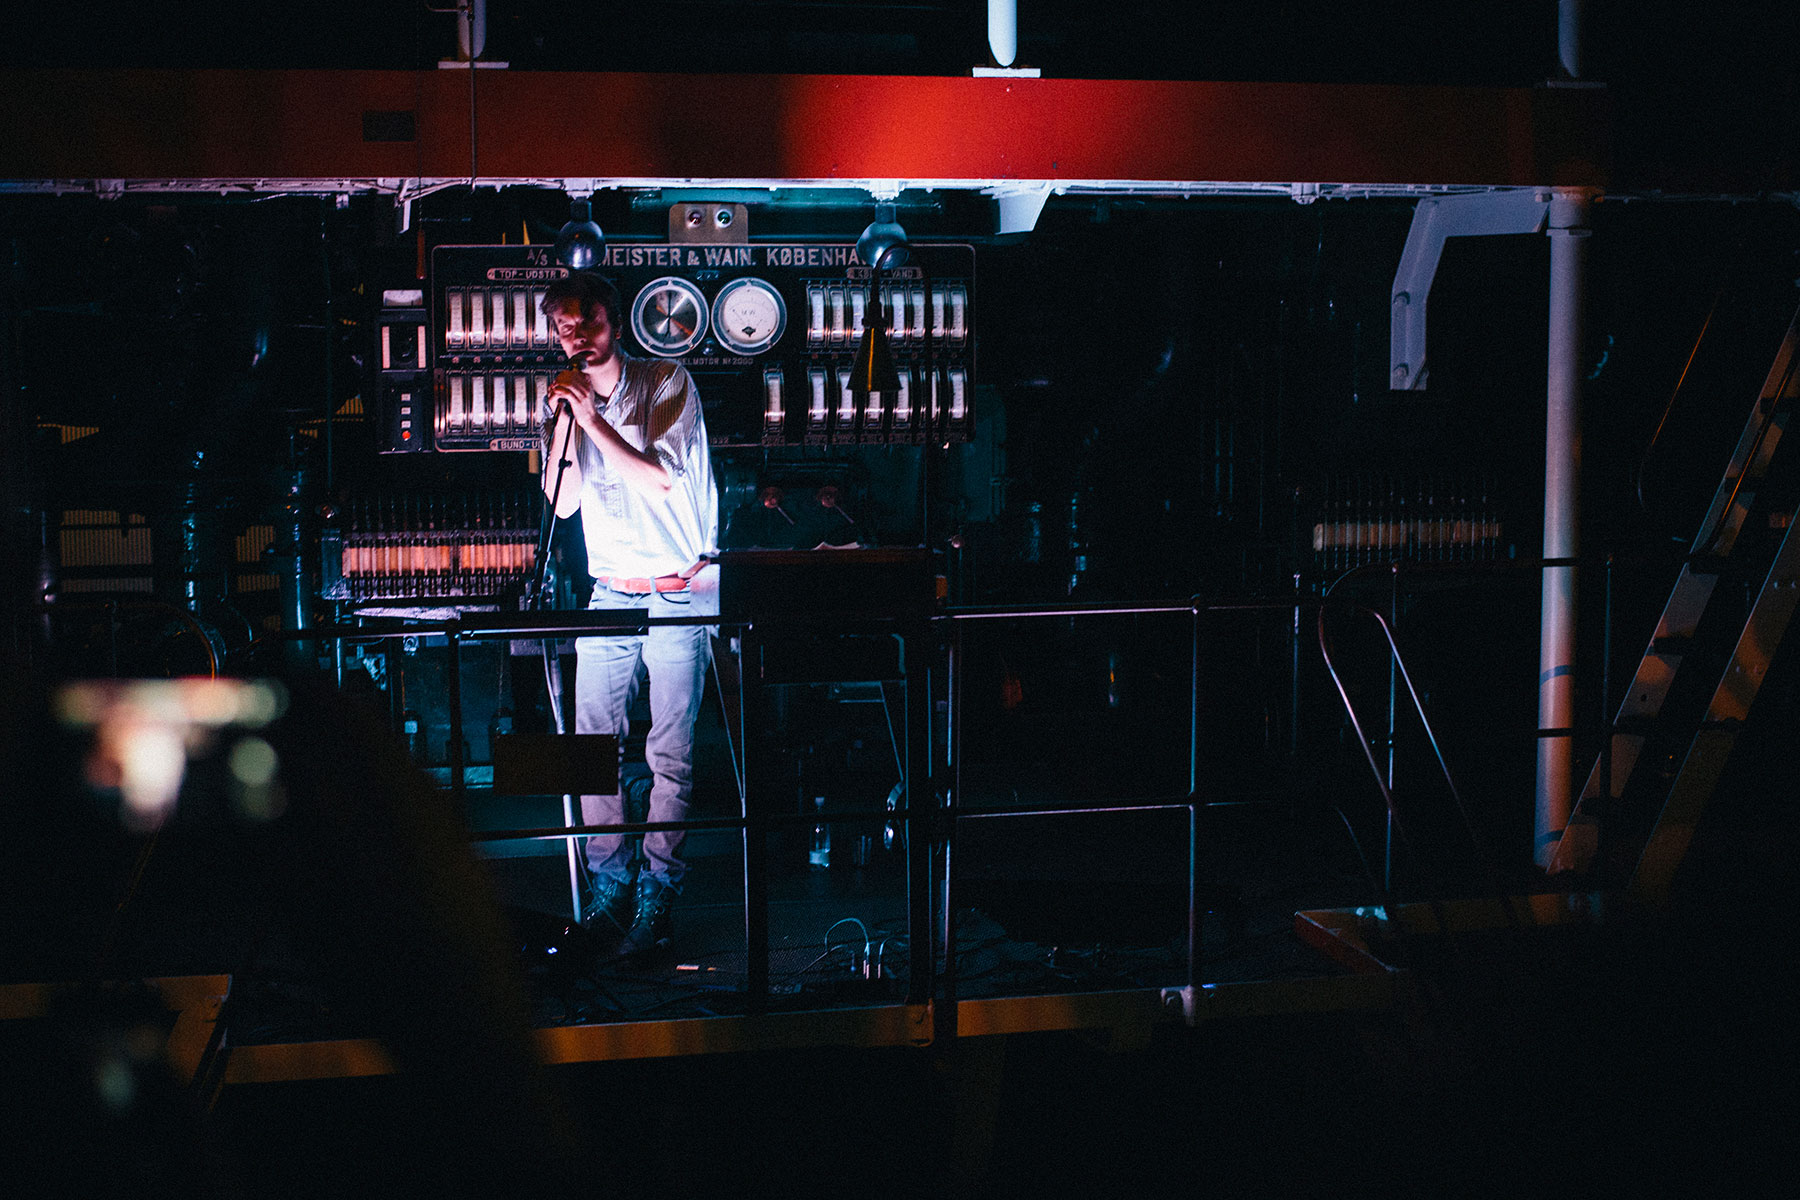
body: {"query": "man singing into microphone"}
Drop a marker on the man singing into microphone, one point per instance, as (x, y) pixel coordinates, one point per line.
(627, 449)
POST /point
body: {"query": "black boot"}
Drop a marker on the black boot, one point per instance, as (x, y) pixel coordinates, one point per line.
(652, 929)
(609, 908)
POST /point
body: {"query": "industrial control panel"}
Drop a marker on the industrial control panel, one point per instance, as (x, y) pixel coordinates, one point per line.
(768, 330)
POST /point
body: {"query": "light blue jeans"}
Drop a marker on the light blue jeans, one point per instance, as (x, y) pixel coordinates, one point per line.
(606, 681)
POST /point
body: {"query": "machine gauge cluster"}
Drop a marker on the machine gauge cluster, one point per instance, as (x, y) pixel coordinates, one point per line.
(670, 317)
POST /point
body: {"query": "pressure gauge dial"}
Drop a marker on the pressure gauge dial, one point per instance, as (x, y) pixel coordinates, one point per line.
(669, 316)
(749, 315)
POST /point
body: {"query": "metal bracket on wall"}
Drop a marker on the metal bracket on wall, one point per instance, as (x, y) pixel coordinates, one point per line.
(1473, 214)
(707, 223)
(1019, 208)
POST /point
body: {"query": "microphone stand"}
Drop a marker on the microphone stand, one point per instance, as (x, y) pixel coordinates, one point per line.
(537, 600)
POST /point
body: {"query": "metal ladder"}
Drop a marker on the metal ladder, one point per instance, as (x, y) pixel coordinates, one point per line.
(1641, 721)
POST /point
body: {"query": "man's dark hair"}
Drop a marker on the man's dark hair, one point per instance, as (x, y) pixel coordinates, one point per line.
(592, 291)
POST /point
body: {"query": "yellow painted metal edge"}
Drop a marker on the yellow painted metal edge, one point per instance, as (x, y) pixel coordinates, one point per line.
(1292, 997)
(23, 1001)
(881, 1025)
(1131, 1015)
(1336, 933)
(194, 999)
(1542, 910)
(1075, 1010)
(887, 1025)
(293, 1062)
(1347, 934)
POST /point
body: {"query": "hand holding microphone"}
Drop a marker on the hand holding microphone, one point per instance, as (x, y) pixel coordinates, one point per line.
(574, 392)
(568, 383)
(572, 377)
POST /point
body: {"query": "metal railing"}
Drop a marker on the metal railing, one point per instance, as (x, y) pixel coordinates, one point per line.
(933, 806)
(954, 811)
(1384, 780)
(929, 820)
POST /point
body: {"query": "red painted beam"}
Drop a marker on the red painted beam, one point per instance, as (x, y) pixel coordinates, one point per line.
(309, 124)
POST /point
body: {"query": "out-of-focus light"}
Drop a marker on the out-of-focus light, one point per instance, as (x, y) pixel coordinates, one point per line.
(208, 701)
(260, 702)
(253, 764)
(263, 802)
(115, 1082)
(146, 730)
(151, 759)
(253, 761)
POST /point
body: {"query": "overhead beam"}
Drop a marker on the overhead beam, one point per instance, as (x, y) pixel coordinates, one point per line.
(179, 125)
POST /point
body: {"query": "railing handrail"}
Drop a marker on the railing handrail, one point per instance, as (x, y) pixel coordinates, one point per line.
(833, 817)
(1387, 795)
(933, 822)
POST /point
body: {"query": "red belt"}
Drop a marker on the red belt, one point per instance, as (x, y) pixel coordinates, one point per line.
(662, 583)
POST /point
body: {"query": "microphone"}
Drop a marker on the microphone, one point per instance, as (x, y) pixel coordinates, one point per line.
(577, 362)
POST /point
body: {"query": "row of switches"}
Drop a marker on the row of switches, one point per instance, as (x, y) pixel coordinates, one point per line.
(496, 318)
(948, 399)
(837, 314)
(477, 403)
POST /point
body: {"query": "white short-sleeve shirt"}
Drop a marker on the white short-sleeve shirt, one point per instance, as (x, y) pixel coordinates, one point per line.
(654, 407)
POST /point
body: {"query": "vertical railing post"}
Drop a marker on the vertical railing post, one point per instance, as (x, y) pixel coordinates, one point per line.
(1387, 861)
(453, 641)
(1293, 739)
(945, 1014)
(756, 837)
(1194, 704)
(1606, 713)
(920, 819)
(1193, 897)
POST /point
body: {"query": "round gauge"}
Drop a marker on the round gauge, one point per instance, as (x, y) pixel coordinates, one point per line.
(669, 316)
(749, 315)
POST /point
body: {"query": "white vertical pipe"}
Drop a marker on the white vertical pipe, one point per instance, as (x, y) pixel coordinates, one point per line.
(1562, 484)
(471, 29)
(1568, 37)
(1003, 31)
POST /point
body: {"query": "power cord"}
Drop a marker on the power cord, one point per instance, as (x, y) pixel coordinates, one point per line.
(856, 966)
